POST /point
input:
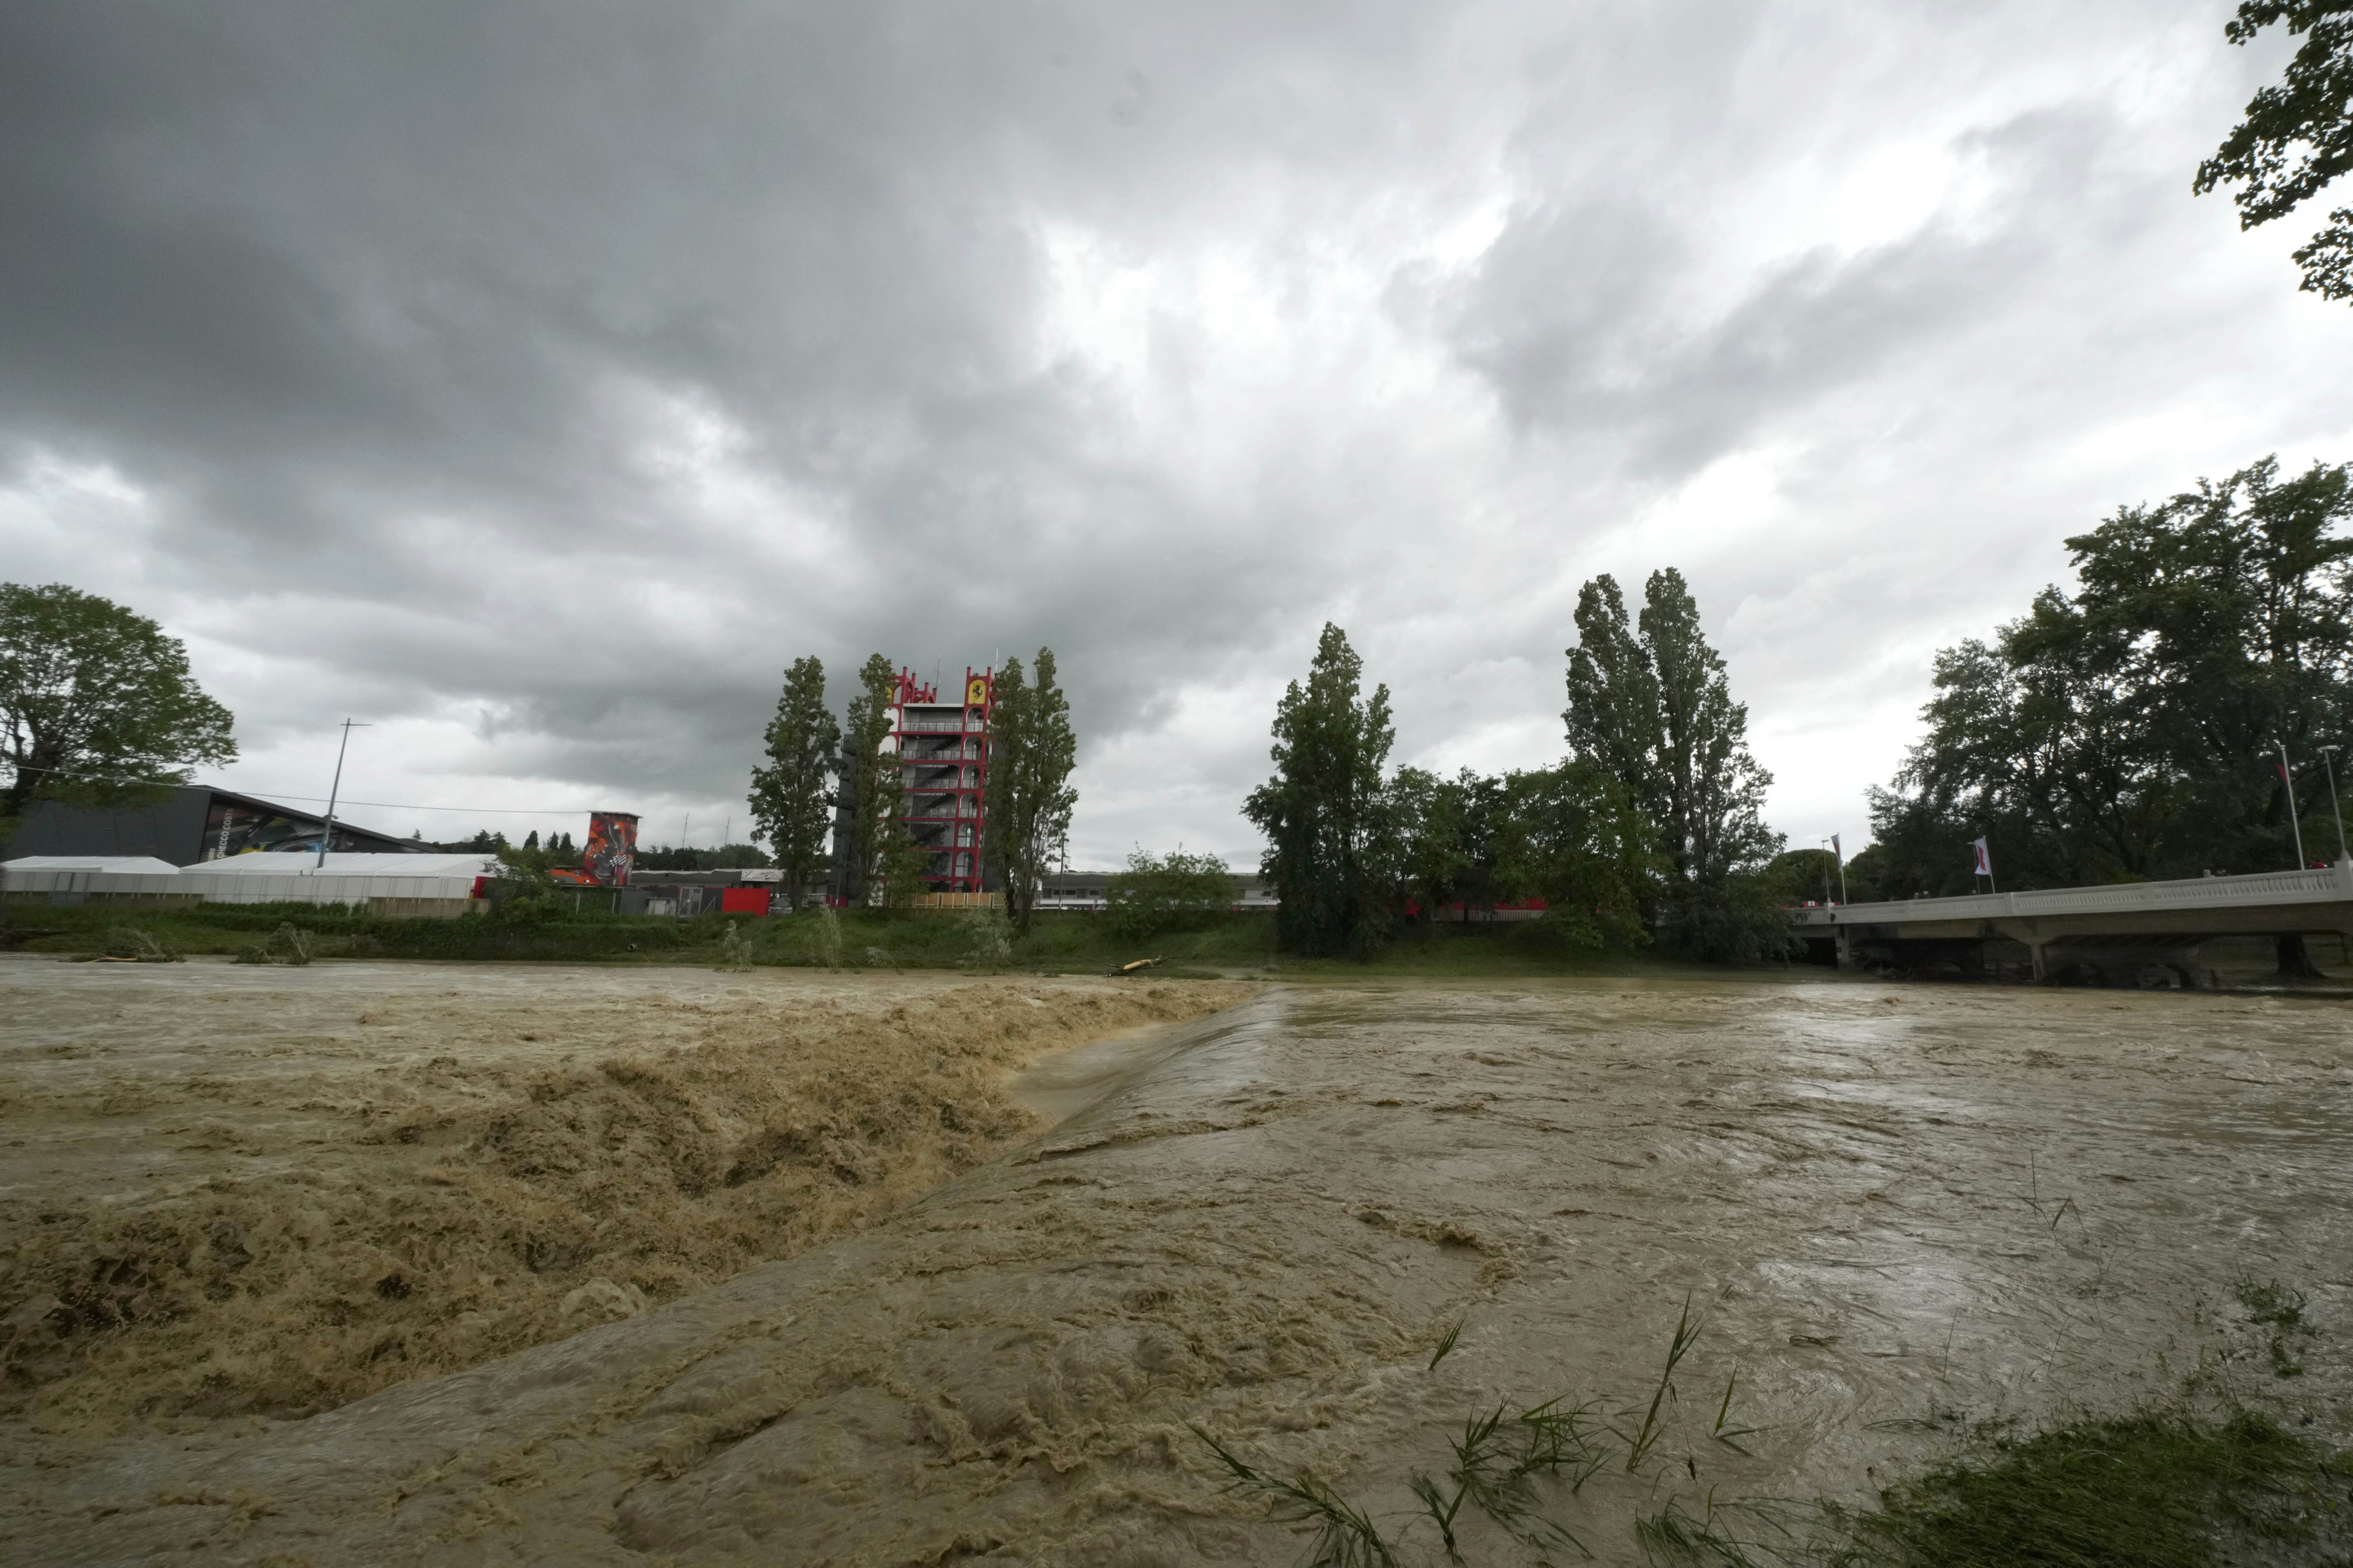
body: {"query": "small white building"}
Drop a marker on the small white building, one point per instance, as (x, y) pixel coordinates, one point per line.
(387, 884)
(305, 862)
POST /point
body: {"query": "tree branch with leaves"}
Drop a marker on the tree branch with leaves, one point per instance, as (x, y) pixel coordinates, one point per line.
(2298, 135)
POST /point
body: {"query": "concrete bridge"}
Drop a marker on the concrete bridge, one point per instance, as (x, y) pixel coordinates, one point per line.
(2123, 927)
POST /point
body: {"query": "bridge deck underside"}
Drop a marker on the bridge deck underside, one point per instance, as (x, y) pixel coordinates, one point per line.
(2182, 925)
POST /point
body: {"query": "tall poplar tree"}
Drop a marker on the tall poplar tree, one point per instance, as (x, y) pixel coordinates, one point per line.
(870, 776)
(792, 797)
(1649, 706)
(1027, 824)
(1323, 811)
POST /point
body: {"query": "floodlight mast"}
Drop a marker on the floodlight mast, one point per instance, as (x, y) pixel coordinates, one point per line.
(335, 790)
(2288, 782)
(2328, 761)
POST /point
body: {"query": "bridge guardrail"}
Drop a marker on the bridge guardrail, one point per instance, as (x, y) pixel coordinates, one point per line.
(2332, 885)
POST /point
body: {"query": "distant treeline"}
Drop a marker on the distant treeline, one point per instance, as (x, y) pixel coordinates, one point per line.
(1651, 825)
(2127, 731)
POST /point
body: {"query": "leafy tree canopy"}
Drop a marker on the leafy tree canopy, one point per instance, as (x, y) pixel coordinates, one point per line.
(1026, 826)
(91, 695)
(1322, 812)
(1649, 704)
(2124, 732)
(1650, 708)
(1168, 892)
(792, 797)
(1568, 834)
(2298, 135)
(870, 779)
(1571, 835)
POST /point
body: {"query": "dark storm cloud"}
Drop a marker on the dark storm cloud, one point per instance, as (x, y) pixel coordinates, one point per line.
(312, 272)
(561, 371)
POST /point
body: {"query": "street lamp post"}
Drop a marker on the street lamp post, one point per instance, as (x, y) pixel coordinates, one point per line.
(335, 790)
(2287, 779)
(2328, 761)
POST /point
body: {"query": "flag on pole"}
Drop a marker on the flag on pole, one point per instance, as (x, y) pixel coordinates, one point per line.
(1985, 859)
(1836, 853)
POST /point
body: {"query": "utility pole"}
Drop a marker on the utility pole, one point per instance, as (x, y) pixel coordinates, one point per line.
(2328, 761)
(2288, 780)
(334, 792)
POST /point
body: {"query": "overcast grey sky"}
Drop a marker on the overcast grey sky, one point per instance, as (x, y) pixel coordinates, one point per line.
(537, 380)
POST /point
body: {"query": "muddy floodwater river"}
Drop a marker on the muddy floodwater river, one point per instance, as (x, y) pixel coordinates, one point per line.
(1889, 1211)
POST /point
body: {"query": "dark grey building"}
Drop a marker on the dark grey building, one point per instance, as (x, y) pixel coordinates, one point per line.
(192, 823)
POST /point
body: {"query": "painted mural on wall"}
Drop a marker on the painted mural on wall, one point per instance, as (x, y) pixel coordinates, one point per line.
(231, 829)
(612, 848)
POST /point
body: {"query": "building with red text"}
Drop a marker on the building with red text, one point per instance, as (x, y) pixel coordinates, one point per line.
(943, 748)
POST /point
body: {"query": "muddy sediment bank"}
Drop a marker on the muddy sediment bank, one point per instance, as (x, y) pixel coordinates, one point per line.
(1893, 1210)
(225, 1194)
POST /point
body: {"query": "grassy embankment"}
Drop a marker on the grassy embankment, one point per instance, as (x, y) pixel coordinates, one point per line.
(1059, 942)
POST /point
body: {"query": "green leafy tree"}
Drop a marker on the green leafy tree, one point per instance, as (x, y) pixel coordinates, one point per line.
(1488, 875)
(792, 797)
(1572, 835)
(93, 695)
(1871, 877)
(1170, 893)
(2298, 135)
(2124, 732)
(528, 894)
(868, 776)
(1322, 811)
(1026, 823)
(1649, 706)
(898, 875)
(1425, 823)
(1449, 839)
(1802, 876)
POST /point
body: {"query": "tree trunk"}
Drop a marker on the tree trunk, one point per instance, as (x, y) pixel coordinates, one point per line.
(2295, 962)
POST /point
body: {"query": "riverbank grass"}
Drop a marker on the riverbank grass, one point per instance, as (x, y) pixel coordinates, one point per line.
(1059, 942)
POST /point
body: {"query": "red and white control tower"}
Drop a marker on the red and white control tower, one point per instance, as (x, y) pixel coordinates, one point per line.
(943, 767)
